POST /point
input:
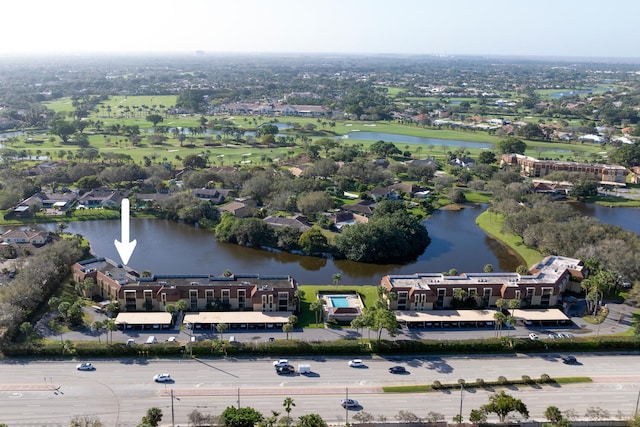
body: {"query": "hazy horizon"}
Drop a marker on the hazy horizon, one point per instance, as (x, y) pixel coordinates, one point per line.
(488, 28)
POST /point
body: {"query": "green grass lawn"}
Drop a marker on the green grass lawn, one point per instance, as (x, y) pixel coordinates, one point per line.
(306, 318)
(492, 225)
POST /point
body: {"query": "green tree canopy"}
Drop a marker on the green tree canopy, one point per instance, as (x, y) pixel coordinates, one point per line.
(243, 417)
(502, 404)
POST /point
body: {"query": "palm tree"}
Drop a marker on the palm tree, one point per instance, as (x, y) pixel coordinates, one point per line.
(336, 279)
(221, 328)
(97, 327)
(459, 296)
(316, 307)
(288, 403)
(500, 303)
(298, 296)
(110, 326)
(500, 318)
(287, 328)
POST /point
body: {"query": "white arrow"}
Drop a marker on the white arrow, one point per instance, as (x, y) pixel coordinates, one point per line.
(125, 248)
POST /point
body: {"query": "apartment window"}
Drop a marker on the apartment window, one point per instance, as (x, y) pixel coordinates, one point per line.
(148, 301)
(226, 296)
(473, 292)
(130, 300)
(518, 294)
(163, 298)
(283, 301)
(241, 298)
(209, 296)
(264, 303)
(193, 299)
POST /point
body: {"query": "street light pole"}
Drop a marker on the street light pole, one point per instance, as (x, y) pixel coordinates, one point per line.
(346, 408)
(172, 413)
(461, 396)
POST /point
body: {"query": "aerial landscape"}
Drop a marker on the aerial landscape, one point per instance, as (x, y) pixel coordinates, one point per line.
(292, 214)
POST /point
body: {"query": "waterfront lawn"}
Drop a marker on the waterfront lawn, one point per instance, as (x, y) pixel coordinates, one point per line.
(492, 225)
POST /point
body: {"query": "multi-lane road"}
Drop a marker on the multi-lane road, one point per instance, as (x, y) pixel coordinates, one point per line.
(120, 392)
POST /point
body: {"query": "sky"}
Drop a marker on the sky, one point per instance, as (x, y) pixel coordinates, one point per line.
(548, 28)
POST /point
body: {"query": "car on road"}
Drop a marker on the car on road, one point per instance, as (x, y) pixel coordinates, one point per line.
(561, 335)
(533, 337)
(281, 362)
(285, 369)
(569, 360)
(553, 336)
(85, 366)
(171, 339)
(397, 370)
(349, 403)
(357, 363)
(162, 378)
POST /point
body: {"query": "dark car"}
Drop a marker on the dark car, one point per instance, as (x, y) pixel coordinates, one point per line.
(285, 369)
(569, 360)
(397, 370)
(349, 403)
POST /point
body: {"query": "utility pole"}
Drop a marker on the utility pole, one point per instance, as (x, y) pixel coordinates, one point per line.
(461, 396)
(346, 408)
(238, 398)
(172, 414)
(635, 414)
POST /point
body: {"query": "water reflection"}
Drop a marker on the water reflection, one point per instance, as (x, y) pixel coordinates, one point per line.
(166, 247)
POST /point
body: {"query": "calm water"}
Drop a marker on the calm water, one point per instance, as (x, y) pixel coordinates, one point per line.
(406, 139)
(166, 247)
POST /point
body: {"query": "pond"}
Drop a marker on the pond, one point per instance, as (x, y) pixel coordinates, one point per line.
(166, 247)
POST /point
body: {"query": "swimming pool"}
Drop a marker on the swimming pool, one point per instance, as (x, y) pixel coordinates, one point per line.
(340, 302)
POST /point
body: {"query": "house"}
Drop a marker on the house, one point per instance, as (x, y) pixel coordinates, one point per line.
(240, 208)
(102, 197)
(362, 207)
(298, 222)
(213, 195)
(37, 238)
(255, 293)
(58, 201)
(463, 162)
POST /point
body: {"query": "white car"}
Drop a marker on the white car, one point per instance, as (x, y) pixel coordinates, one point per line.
(171, 339)
(162, 378)
(533, 337)
(281, 362)
(356, 363)
(85, 367)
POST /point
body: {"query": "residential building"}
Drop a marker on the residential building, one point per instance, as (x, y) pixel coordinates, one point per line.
(33, 237)
(114, 282)
(543, 286)
(102, 197)
(534, 168)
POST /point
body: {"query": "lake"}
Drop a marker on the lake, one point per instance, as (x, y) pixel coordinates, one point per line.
(406, 139)
(166, 247)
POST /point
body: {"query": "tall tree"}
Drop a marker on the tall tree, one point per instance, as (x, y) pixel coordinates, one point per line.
(502, 404)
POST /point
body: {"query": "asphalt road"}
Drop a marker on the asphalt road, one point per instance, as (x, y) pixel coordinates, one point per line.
(120, 392)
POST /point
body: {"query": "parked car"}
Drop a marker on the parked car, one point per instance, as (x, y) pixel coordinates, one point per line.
(85, 367)
(569, 360)
(162, 378)
(533, 337)
(285, 369)
(397, 370)
(553, 336)
(171, 339)
(357, 363)
(349, 403)
(281, 362)
(131, 341)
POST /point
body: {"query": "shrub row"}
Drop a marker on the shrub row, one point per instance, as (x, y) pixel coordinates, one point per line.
(215, 348)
